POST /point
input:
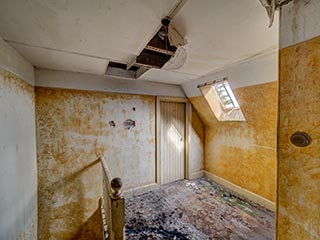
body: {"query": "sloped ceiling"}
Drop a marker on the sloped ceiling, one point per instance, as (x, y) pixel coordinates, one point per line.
(82, 36)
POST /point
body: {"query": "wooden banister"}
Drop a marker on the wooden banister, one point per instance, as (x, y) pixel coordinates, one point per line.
(113, 203)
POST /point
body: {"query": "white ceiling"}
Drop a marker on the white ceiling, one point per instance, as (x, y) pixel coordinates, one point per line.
(82, 35)
(221, 32)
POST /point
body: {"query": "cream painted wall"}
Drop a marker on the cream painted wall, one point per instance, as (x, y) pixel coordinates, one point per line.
(18, 170)
(13, 62)
(299, 22)
(258, 70)
(84, 81)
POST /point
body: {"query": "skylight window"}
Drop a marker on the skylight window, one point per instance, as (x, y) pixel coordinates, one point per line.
(222, 101)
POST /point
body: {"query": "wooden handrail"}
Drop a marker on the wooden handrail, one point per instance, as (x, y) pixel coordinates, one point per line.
(113, 203)
(106, 171)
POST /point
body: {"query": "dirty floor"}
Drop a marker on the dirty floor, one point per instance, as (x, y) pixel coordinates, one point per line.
(197, 209)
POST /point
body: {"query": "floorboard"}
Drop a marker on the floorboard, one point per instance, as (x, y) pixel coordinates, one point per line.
(197, 209)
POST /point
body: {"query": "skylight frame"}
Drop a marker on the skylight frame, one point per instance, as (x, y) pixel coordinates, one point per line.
(222, 101)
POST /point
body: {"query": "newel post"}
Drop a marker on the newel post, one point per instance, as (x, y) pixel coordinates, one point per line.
(117, 210)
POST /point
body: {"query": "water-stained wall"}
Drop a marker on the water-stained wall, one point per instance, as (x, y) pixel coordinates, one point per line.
(299, 110)
(244, 153)
(74, 127)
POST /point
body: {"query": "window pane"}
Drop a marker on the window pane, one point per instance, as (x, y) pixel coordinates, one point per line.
(222, 101)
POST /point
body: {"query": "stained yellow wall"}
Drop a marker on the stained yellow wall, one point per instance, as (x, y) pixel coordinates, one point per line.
(299, 168)
(72, 131)
(244, 153)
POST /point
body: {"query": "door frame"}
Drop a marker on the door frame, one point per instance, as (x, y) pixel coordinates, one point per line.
(188, 112)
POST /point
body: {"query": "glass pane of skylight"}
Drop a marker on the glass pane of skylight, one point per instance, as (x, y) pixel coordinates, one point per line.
(233, 98)
(224, 95)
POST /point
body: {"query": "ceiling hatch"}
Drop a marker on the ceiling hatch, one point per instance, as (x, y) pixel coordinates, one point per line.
(164, 51)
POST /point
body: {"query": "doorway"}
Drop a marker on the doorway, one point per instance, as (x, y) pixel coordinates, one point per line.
(172, 139)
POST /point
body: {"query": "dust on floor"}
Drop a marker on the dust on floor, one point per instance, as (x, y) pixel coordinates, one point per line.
(197, 209)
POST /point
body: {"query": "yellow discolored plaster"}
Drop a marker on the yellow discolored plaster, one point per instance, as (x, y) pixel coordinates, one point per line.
(299, 168)
(196, 144)
(72, 131)
(11, 82)
(197, 125)
(244, 153)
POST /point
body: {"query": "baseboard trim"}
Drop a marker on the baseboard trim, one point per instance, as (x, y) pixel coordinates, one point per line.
(195, 175)
(242, 191)
(140, 190)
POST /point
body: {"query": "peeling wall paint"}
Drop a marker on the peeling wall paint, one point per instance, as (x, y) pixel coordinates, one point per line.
(18, 170)
(299, 167)
(72, 131)
(244, 153)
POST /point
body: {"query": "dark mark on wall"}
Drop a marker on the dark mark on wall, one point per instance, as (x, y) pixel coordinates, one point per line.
(129, 124)
(112, 124)
(133, 108)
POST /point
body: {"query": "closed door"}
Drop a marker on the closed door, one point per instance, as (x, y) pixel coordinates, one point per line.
(172, 141)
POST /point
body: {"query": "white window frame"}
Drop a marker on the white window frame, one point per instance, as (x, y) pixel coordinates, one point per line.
(223, 111)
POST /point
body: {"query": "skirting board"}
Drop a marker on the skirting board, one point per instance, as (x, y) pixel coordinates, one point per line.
(195, 175)
(140, 190)
(241, 191)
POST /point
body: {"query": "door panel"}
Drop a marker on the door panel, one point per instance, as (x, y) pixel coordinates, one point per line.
(172, 141)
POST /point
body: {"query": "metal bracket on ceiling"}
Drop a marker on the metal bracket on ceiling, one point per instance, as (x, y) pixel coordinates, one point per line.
(213, 82)
(271, 6)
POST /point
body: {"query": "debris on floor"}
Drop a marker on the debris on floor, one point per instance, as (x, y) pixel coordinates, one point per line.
(196, 210)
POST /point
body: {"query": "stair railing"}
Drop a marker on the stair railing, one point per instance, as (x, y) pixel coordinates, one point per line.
(113, 204)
